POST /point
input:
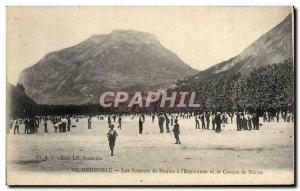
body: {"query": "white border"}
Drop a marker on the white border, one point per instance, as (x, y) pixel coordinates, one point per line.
(151, 2)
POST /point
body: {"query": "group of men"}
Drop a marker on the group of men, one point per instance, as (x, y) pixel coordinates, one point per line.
(286, 116)
(31, 125)
(216, 118)
(247, 121)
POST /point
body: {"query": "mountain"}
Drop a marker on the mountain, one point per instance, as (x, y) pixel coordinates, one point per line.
(275, 46)
(124, 60)
(260, 78)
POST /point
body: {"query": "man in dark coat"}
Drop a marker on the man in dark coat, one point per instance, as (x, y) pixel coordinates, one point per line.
(255, 121)
(69, 123)
(31, 125)
(46, 125)
(238, 121)
(176, 132)
(90, 123)
(218, 122)
(167, 123)
(243, 122)
(161, 120)
(207, 116)
(114, 118)
(202, 120)
(26, 123)
(153, 118)
(16, 126)
(141, 124)
(120, 122)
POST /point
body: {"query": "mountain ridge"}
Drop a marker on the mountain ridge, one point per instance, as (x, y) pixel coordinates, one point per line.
(123, 60)
(274, 46)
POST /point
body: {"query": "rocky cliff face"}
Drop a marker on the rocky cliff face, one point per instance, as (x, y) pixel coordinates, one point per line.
(122, 60)
(275, 46)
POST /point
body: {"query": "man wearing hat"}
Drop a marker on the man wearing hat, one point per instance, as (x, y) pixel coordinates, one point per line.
(112, 136)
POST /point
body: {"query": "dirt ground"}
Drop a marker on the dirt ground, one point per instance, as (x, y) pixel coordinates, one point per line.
(204, 157)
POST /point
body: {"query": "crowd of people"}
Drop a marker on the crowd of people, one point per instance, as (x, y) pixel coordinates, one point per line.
(166, 122)
(32, 125)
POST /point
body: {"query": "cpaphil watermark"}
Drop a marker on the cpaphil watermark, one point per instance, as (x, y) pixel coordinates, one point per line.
(142, 99)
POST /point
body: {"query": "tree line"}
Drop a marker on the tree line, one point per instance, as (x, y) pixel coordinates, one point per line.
(266, 88)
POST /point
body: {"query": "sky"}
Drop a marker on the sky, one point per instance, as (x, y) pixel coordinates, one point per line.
(200, 36)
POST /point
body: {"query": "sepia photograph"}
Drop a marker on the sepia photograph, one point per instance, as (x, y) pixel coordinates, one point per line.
(150, 95)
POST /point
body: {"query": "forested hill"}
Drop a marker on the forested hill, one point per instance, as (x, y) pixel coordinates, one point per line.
(266, 88)
(18, 103)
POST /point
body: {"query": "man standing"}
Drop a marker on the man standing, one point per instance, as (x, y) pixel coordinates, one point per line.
(16, 127)
(167, 123)
(176, 132)
(112, 136)
(197, 122)
(36, 125)
(60, 126)
(114, 118)
(120, 122)
(64, 124)
(202, 120)
(56, 125)
(207, 116)
(231, 114)
(238, 121)
(153, 118)
(31, 125)
(69, 123)
(265, 117)
(26, 123)
(218, 122)
(255, 121)
(141, 123)
(90, 123)
(249, 121)
(45, 125)
(288, 117)
(213, 120)
(243, 121)
(161, 120)
(277, 116)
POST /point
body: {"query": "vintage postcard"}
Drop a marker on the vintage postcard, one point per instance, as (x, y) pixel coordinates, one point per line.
(150, 95)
